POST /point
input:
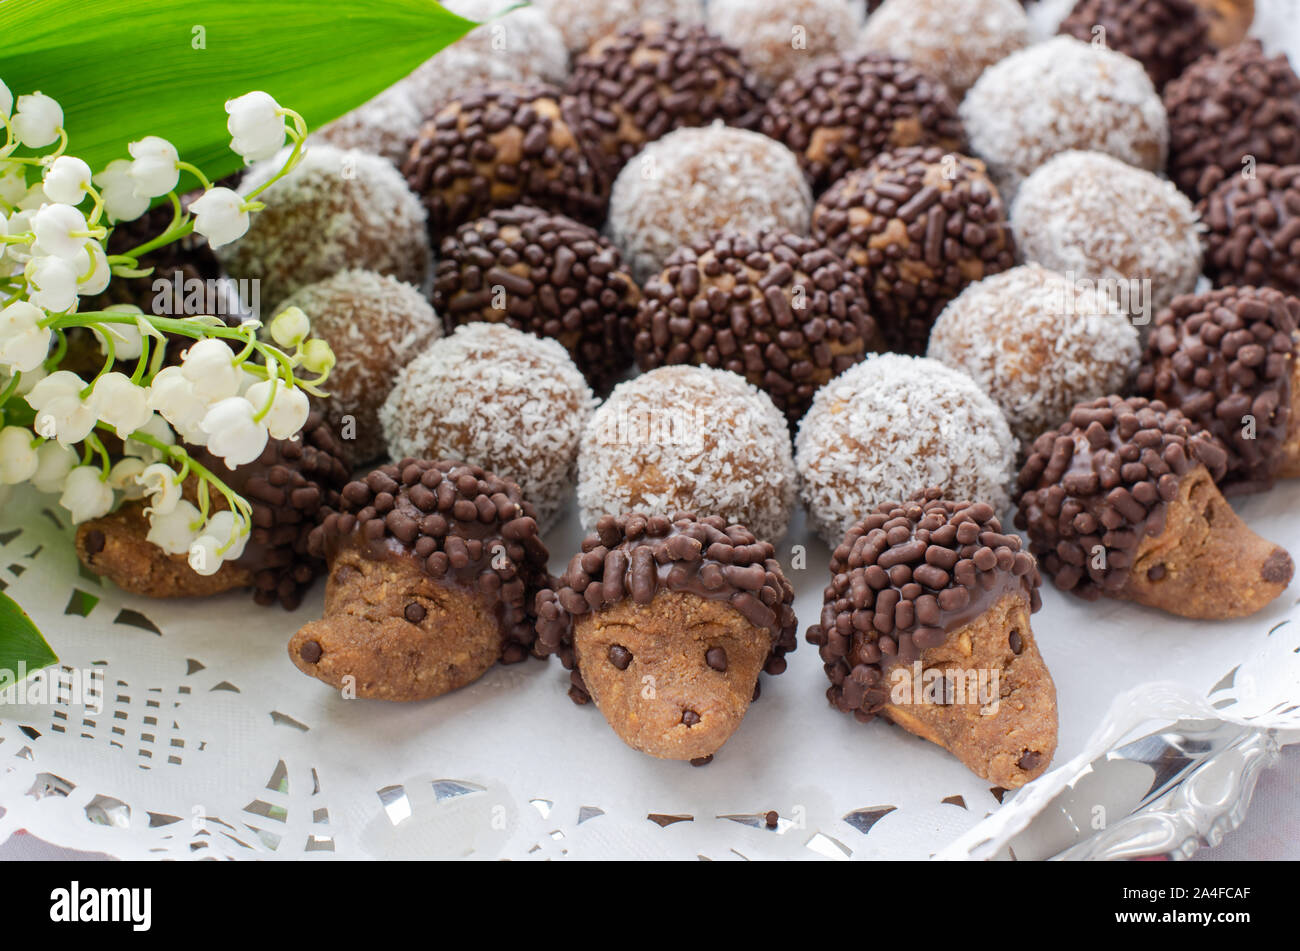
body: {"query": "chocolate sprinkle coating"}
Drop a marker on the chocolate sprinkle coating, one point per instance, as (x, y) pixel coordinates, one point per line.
(1224, 355)
(1103, 480)
(467, 527)
(1225, 108)
(499, 145)
(918, 224)
(637, 85)
(842, 112)
(561, 279)
(638, 556)
(902, 580)
(1165, 36)
(774, 307)
(1253, 229)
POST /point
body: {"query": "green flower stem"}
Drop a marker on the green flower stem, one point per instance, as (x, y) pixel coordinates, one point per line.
(11, 388)
(194, 170)
(243, 511)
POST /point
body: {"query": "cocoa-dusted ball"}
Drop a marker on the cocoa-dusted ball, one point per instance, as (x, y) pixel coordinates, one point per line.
(1226, 110)
(1252, 229)
(1227, 360)
(545, 274)
(637, 85)
(1165, 36)
(776, 308)
(842, 112)
(499, 145)
(918, 225)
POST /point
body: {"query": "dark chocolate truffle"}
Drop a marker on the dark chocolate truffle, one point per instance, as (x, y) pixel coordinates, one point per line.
(635, 86)
(1165, 36)
(1230, 111)
(842, 112)
(499, 145)
(918, 224)
(1227, 360)
(545, 274)
(1252, 231)
(776, 308)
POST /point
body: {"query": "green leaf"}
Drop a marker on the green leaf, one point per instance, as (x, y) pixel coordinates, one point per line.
(124, 69)
(20, 641)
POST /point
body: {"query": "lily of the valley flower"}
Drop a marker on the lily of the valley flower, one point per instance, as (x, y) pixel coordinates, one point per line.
(61, 413)
(289, 407)
(24, 343)
(233, 434)
(156, 168)
(86, 494)
(256, 125)
(220, 216)
(67, 179)
(60, 230)
(174, 531)
(18, 460)
(117, 188)
(54, 462)
(120, 403)
(38, 120)
(53, 283)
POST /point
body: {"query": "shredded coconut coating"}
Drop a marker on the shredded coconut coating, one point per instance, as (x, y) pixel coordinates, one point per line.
(1059, 95)
(338, 209)
(583, 22)
(954, 45)
(386, 125)
(498, 398)
(684, 438)
(697, 181)
(1089, 215)
(778, 38)
(1037, 345)
(892, 426)
(375, 325)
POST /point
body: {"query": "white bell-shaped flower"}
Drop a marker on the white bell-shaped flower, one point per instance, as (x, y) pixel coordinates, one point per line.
(61, 413)
(220, 216)
(38, 120)
(255, 125)
(120, 403)
(123, 475)
(18, 459)
(172, 395)
(175, 530)
(290, 327)
(67, 179)
(6, 100)
(210, 366)
(60, 230)
(53, 283)
(13, 181)
(289, 407)
(232, 432)
(229, 532)
(158, 428)
(158, 481)
(94, 278)
(156, 166)
(24, 343)
(117, 188)
(54, 462)
(126, 338)
(86, 494)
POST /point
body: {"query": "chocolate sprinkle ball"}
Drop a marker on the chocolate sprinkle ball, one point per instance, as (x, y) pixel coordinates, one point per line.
(918, 224)
(466, 527)
(1225, 109)
(776, 308)
(499, 145)
(545, 274)
(902, 580)
(637, 556)
(1225, 359)
(1165, 36)
(635, 86)
(840, 113)
(1253, 229)
(1104, 480)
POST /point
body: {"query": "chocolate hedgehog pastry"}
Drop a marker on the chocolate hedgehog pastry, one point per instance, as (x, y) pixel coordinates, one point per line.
(433, 567)
(666, 625)
(1165, 36)
(637, 85)
(1227, 360)
(1252, 231)
(840, 113)
(545, 274)
(499, 145)
(918, 224)
(774, 307)
(288, 486)
(936, 583)
(1121, 501)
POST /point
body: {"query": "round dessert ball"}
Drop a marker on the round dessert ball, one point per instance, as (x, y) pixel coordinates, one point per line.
(545, 274)
(842, 113)
(495, 397)
(1165, 36)
(1037, 344)
(497, 146)
(338, 209)
(375, 325)
(1091, 216)
(780, 37)
(386, 125)
(891, 426)
(954, 45)
(684, 438)
(639, 84)
(1059, 95)
(918, 225)
(698, 181)
(1253, 229)
(583, 22)
(1230, 111)
(1229, 360)
(776, 308)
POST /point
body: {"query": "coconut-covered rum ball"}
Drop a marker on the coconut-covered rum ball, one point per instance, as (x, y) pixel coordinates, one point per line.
(780, 38)
(583, 23)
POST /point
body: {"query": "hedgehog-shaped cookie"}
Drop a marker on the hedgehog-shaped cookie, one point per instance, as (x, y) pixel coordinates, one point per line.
(433, 568)
(287, 487)
(926, 623)
(1121, 501)
(666, 625)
